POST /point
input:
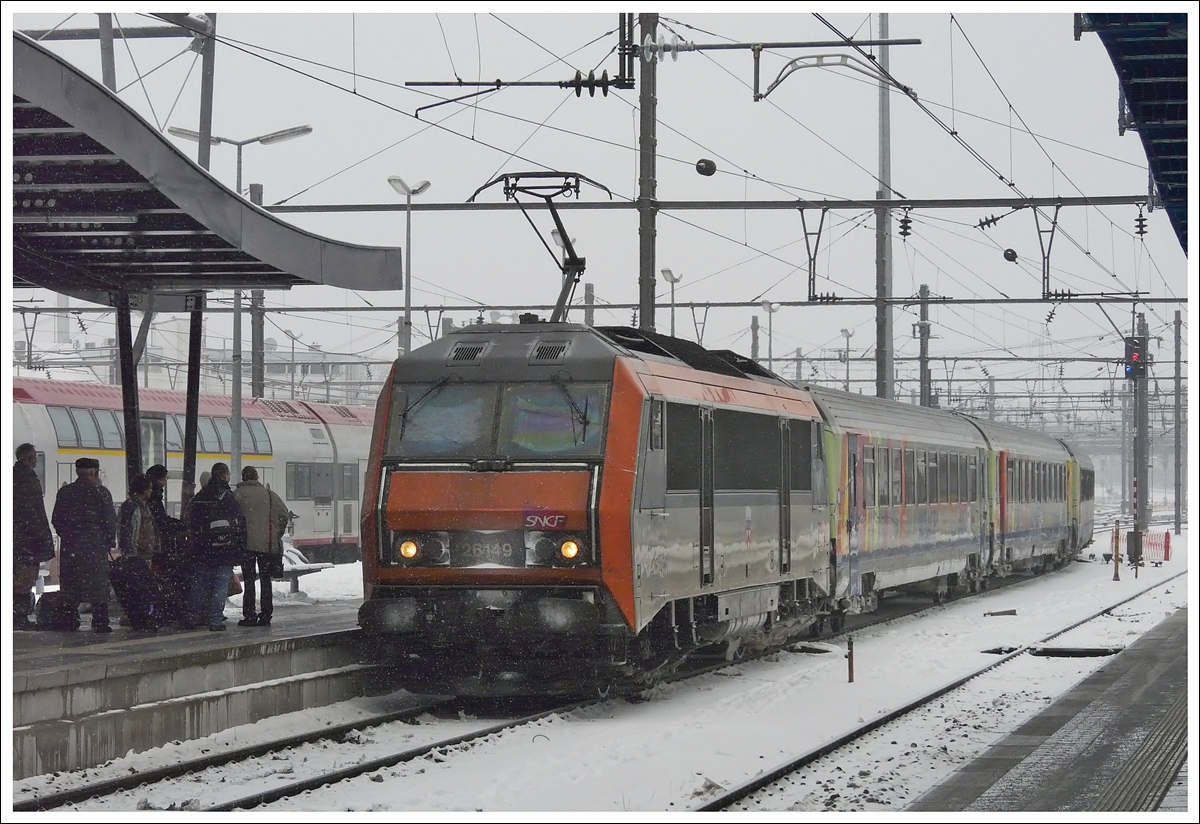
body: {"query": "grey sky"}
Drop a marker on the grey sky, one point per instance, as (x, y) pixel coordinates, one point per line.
(815, 136)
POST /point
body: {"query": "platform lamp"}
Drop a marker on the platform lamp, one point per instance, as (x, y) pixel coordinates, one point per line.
(265, 139)
(672, 278)
(847, 333)
(770, 308)
(403, 188)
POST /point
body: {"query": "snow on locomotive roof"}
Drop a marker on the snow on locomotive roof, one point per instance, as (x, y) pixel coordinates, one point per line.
(108, 396)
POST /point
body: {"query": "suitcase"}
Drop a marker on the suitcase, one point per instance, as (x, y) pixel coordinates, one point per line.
(52, 615)
(140, 593)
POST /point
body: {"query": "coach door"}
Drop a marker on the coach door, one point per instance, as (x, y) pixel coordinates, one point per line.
(853, 516)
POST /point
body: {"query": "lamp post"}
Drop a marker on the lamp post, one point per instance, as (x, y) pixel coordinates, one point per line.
(672, 279)
(770, 309)
(265, 139)
(235, 448)
(292, 368)
(403, 188)
(848, 333)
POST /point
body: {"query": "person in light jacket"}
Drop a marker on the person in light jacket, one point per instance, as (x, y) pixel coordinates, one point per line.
(266, 519)
(136, 530)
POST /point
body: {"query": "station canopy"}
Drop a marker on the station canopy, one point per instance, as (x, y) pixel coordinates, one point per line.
(1149, 53)
(104, 204)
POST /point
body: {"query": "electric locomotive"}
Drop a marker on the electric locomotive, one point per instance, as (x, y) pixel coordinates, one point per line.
(551, 506)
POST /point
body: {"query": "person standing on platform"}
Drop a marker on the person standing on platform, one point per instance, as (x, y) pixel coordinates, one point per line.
(86, 521)
(218, 542)
(32, 540)
(136, 531)
(172, 563)
(266, 519)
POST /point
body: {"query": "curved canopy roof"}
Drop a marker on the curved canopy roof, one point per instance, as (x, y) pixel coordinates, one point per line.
(1149, 52)
(104, 203)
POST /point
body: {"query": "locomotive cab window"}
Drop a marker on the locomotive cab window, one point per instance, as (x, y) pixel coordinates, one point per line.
(441, 420)
(559, 419)
(801, 455)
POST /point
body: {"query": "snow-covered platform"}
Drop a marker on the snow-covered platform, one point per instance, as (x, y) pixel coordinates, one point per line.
(80, 699)
(1116, 742)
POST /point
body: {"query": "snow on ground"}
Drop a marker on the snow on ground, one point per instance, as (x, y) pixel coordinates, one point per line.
(671, 751)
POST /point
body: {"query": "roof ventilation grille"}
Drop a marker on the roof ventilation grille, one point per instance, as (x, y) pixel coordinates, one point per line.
(548, 352)
(467, 352)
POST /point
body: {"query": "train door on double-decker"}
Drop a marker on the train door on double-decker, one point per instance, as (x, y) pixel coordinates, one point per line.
(853, 516)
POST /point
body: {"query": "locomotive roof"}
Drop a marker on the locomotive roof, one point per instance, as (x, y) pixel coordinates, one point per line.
(108, 396)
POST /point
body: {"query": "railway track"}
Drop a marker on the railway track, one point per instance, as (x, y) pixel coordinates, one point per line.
(742, 797)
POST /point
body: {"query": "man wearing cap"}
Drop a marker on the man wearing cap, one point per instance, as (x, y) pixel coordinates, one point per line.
(86, 521)
(218, 542)
(32, 541)
(266, 519)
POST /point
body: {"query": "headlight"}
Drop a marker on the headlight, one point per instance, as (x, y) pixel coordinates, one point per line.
(558, 549)
(422, 549)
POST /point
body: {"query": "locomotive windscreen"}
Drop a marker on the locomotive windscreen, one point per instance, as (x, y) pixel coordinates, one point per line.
(535, 420)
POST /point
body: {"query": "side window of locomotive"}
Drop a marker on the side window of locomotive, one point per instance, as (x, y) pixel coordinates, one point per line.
(657, 412)
(89, 434)
(552, 419)
(262, 440)
(110, 430)
(745, 450)
(64, 429)
(868, 485)
(801, 455)
(683, 447)
(440, 420)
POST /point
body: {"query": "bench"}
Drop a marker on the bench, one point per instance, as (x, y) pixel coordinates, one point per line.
(292, 573)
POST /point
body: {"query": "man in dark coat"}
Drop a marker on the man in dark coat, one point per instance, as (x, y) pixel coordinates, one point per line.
(171, 563)
(32, 541)
(218, 542)
(86, 521)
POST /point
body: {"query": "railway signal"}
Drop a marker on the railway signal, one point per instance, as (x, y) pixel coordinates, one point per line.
(1135, 357)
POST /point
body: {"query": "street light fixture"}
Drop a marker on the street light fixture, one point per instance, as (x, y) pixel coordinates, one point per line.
(403, 188)
(848, 333)
(264, 139)
(672, 279)
(770, 309)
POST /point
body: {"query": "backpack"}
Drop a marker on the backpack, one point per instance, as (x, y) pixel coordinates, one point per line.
(219, 533)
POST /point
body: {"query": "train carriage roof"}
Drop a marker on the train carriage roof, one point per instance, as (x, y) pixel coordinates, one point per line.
(865, 413)
(108, 396)
(1028, 442)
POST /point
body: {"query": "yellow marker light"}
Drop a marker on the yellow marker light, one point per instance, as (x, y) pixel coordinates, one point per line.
(408, 549)
(569, 550)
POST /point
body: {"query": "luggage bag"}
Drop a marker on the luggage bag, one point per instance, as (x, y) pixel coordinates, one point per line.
(140, 593)
(52, 615)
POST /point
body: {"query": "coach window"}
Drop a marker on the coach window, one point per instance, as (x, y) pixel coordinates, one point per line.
(110, 432)
(683, 447)
(224, 433)
(247, 439)
(262, 440)
(885, 476)
(955, 494)
(349, 482)
(869, 476)
(299, 481)
(745, 450)
(972, 480)
(910, 477)
(897, 477)
(931, 477)
(174, 434)
(943, 478)
(89, 434)
(64, 429)
(208, 440)
(921, 483)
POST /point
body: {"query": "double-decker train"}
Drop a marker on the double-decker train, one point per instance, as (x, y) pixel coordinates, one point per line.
(312, 454)
(550, 506)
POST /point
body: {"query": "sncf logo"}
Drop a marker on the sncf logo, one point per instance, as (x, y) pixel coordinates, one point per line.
(544, 519)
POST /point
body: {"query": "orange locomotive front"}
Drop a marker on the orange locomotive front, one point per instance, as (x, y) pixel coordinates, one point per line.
(497, 511)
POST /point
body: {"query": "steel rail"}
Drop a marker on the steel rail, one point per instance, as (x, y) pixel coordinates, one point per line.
(727, 799)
